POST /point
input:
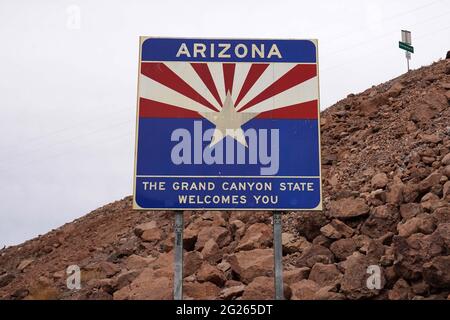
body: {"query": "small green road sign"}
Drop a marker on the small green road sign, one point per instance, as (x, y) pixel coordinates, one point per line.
(406, 47)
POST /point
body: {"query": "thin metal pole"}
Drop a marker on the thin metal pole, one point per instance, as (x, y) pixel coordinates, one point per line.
(178, 276)
(278, 256)
(408, 56)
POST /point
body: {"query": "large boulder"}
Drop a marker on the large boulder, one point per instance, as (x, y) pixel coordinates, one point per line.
(212, 274)
(232, 292)
(248, 265)
(383, 219)
(295, 275)
(258, 235)
(141, 228)
(6, 279)
(211, 251)
(348, 208)
(400, 291)
(219, 234)
(354, 282)
(380, 180)
(343, 248)
(423, 224)
(292, 244)
(147, 287)
(200, 291)
(304, 290)
(308, 224)
(325, 274)
(413, 252)
(315, 253)
(261, 288)
(192, 262)
(433, 179)
(437, 272)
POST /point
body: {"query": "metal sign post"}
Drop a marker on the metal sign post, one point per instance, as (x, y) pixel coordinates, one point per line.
(178, 276)
(408, 57)
(406, 45)
(278, 256)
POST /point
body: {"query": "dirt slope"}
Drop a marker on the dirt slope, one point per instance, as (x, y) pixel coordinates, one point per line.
(386, 170)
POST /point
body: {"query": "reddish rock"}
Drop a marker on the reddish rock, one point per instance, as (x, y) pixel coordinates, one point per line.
(395, 90)
(348, 208)
(423, 113)
(330, 231)
(446, 160)
(413, 252)
(430, 181)
(293, 244)
(151, 235)
(6, 279)
(409, 210)
(192, 262)
(354, 281)
(343, 248)
(109, 268)
(420, 287)
(325, 274)
(313, 254)
(308, 224)
(441, 215)
(261, 288)
(200, 291)
(139, 230)
(304, 290)
(400, 291)
(224, 266)
(210, 273)
(321, 240)
(295, 275)
(238, 227)
(383, 219)
(395, 193)
(146, 287)
(431, 202)
(336, 229)
(211, 251)
(326, 293)
(446, 190)
(137, 262)
(446, 171)
(215, 218)
(24, 264)
(443, 232)
(248, 265)
(380, 180)
(189, 238)
(258, 235)
(410, 193)
(423, 224)
(233, 292)
(342, 228)
(125, 278)
(437, 272)
(219, 234)
(430, 138)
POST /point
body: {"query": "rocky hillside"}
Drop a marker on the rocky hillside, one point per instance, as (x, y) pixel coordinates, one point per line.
(386, 170)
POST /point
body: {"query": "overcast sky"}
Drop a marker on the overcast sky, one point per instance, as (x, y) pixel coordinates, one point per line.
(68, 89)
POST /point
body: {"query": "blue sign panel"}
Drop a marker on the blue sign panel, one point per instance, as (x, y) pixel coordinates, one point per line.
(228, 124)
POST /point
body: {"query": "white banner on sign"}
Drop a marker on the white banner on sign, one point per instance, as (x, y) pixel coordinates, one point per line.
(406, 36)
